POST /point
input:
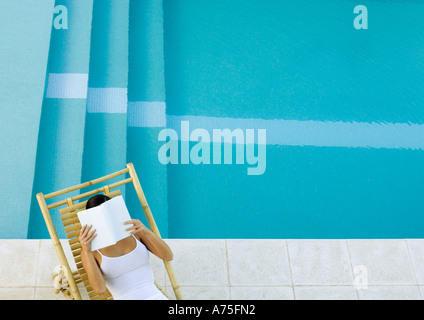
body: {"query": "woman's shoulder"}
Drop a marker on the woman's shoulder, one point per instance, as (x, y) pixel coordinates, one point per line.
(137, 237)
(97, 256)
(96, 253)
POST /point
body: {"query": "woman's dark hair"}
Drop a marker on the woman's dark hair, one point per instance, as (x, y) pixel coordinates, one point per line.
(96, 201)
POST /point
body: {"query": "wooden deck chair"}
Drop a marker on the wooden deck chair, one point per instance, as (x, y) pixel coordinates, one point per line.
(72, 228)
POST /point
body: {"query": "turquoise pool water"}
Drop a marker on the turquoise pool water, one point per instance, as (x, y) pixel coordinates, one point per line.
(342, 110)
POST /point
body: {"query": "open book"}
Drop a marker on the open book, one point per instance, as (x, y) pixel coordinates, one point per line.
(108, 221)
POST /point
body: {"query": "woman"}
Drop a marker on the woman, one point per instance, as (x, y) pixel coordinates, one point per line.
(124, 267)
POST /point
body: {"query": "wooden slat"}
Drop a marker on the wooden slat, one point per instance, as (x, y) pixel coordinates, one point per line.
(69, 215)
(75, 246)
(72, 234)
(76, 227)
(89, 193)
(75, 207)
(74, 241)
(113, 193)
(81, 205)
(77, 277)
(73, 227)
(70, 221)
(86, 184)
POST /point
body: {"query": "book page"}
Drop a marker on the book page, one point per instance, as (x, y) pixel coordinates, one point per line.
(116, 214)
(96, 218)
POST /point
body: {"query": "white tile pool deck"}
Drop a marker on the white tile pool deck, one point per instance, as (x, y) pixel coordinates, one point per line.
(248, 269)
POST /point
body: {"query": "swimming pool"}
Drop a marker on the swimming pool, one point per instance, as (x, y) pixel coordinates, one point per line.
(341, 107)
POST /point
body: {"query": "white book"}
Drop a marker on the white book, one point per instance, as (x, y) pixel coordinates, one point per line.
(108, 221)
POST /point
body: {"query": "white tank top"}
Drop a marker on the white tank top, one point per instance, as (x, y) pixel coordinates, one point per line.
(130, 277)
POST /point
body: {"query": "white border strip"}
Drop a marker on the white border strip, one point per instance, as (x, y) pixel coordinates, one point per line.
(67, 86)
(278, 131)
(315, 133)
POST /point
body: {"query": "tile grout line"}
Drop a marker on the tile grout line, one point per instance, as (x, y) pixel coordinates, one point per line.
(228, 269)
(351, 269)
(413, 267)
(290, 268)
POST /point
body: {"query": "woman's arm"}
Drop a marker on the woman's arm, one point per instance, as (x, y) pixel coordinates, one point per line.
(88, 261)
(153, 243)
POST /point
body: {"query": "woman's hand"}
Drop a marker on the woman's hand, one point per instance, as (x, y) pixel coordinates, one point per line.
(86, 237)
(138, 226)
(153, 243)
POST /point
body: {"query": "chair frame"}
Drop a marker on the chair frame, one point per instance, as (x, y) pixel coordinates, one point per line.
(73, 226)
